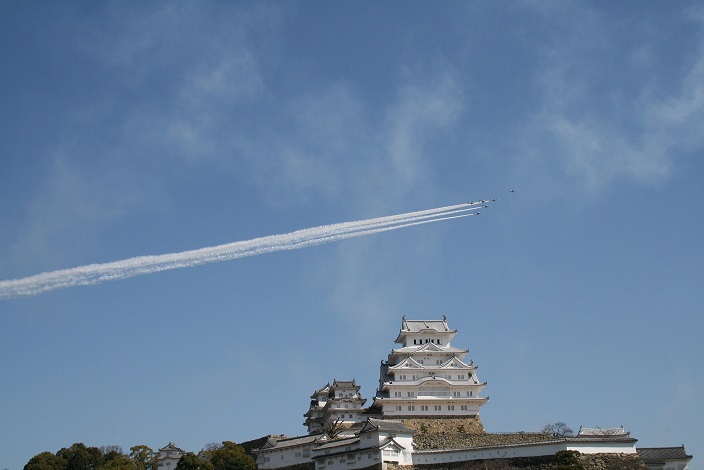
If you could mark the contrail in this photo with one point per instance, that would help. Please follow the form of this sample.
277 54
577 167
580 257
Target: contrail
95 273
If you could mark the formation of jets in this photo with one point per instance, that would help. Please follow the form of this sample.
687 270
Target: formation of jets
484 201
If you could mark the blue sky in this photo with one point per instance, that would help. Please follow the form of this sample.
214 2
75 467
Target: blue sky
130 129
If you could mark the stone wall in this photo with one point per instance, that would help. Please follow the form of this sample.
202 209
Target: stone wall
445 425
460 433
551 462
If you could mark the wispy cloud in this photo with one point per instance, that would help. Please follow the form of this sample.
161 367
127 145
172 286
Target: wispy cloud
424 109
632 130
169 101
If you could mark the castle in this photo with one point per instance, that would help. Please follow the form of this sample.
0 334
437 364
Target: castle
426 413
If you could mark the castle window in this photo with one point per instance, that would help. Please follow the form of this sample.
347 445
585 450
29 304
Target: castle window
451 407
411 408
424 408
398 408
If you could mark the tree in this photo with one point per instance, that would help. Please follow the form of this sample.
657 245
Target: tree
114 449
119 462
80 457
114 458
333 428
206 453
231 456
143 457
558 429
191 461
46 461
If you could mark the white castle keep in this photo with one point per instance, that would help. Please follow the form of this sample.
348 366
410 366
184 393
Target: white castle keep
426 376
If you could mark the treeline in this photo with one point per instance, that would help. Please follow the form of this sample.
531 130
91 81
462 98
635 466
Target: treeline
224 456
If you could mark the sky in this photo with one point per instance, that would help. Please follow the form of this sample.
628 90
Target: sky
131 129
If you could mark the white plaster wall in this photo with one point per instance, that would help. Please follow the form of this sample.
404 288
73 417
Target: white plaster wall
422 458
603 448
425 458
362 459
284 457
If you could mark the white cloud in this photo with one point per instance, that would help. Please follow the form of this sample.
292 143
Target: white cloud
601 123
72 206
422 110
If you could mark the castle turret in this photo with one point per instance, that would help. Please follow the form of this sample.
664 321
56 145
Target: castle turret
335 406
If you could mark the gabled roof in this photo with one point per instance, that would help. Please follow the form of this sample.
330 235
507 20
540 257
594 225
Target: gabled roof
659 454
321 391
602 432
429 348
407 362
345 384
337 443
455 363
417 326
390 442
273 441
171 447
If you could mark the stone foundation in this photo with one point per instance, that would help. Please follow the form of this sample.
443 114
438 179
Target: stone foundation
550 462
444 425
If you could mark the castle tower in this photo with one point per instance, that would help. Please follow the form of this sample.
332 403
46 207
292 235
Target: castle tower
426 376
338 405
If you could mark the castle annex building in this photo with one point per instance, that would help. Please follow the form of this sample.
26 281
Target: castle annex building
425 413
